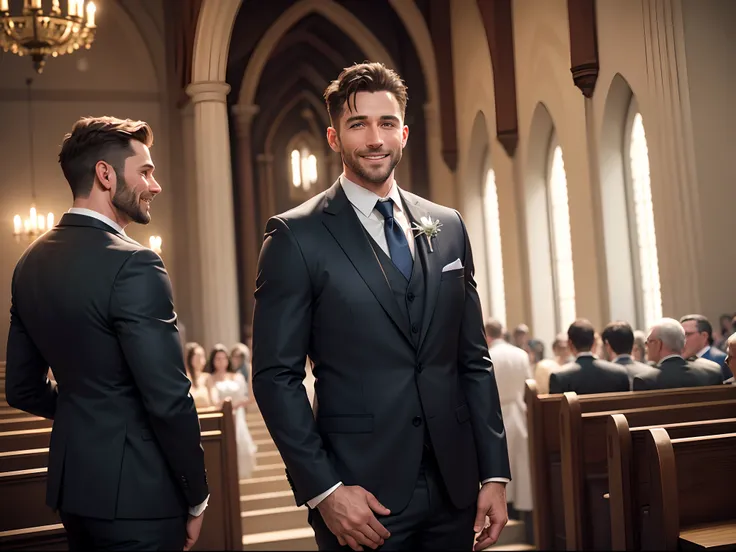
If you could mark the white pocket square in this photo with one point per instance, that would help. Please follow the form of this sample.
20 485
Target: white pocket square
454 265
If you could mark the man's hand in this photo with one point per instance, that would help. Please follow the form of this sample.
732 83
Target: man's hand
491 503
348 513
194 526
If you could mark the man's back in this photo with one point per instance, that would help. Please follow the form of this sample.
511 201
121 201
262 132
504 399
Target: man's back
588 375
677 372
96 307
633 367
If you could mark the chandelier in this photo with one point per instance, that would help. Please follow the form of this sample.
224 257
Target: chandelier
37 33
36 224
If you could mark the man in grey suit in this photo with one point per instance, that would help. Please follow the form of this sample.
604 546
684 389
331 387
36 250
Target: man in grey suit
587 374
665 344
618 340
406 449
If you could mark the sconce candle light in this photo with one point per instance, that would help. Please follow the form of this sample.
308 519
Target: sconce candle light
155 243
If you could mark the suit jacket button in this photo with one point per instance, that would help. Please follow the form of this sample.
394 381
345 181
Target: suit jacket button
414 328
410 296
417 421
420 368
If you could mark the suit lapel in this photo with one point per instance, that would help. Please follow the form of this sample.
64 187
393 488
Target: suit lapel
342 222
429 260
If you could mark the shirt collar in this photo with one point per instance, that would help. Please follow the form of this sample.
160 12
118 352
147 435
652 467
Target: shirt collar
624 355
584 354
97 215
661 360
364 200
702 351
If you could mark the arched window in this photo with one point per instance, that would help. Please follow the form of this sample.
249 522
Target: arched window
493 244
303 168
559 215
642 214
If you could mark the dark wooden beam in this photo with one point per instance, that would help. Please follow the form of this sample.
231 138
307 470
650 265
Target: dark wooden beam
441 30
184 15
497 18
583 45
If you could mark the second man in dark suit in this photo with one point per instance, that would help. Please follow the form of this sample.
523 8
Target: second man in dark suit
587 374
618 340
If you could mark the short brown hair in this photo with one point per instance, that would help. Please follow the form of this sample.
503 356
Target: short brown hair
363 77
494 328
94 139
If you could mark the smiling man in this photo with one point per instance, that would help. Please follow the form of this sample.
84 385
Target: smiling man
126 465
406 449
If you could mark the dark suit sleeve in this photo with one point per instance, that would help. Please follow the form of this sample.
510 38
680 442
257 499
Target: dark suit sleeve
555 384
27 386
142 312
640 384
282 321
479 382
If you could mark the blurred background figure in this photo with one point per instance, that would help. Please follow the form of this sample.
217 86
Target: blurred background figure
240 357
226 383
639 352
195 362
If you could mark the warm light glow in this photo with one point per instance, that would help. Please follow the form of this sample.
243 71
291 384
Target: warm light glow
91 10
4 5
49 221
312 169
644 215
296 171
72 7
55 7
306 179
17 225
36 4
34 225
155 243
561 242
33 220
493 246
41 222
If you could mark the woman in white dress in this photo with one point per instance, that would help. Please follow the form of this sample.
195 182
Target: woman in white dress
195 363
225 383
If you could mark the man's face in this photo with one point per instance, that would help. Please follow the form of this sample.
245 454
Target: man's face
370 138
136 187
654 347
694 340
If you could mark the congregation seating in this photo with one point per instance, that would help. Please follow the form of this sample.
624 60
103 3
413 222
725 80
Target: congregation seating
574 503
630 476
26 523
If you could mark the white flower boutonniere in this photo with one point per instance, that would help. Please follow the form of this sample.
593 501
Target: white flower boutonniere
429 227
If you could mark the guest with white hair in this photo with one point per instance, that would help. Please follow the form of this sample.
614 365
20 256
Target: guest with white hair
665 345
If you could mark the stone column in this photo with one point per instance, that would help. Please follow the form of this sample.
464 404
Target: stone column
190 226
250 234
216 261
441 179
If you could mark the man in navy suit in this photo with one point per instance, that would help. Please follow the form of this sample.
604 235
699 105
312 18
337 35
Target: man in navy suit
699 342
618 341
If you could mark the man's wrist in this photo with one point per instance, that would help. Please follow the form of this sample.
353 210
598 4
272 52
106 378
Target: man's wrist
502 480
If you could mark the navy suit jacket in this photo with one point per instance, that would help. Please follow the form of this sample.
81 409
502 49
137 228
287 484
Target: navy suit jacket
719 357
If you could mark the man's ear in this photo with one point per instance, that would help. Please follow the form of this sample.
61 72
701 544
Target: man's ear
105 174
333 139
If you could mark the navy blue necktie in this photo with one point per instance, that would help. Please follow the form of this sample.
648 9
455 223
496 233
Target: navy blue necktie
396 239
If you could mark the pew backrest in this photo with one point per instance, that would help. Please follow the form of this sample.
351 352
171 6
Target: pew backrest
543 420
626 470
688 486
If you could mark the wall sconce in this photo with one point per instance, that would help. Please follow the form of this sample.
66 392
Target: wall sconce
155 243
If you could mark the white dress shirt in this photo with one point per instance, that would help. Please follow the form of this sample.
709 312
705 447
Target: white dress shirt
364 205
194 511
98 216
702 351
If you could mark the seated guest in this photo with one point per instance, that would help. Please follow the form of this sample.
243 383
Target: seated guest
699 342
639 352
726 330
195 363
665 346
587 374
618 341
545 366
730 347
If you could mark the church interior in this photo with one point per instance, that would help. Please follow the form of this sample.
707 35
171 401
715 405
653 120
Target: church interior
587 144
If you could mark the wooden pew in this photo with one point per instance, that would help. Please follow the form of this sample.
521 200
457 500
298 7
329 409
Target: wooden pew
27 523
543 417
626 453
690 492
584 459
